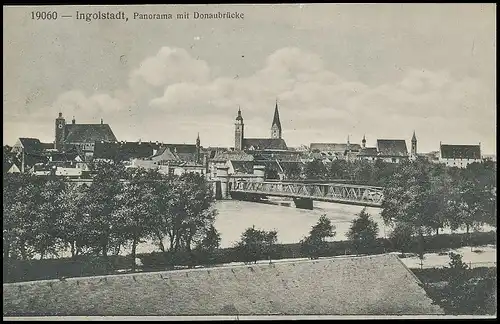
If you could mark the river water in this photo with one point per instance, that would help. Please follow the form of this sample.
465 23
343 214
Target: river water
292 224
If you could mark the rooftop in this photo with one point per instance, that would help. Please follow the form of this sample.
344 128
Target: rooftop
460 151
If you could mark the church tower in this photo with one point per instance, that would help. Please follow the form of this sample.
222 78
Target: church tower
198 148
363 142
414 145
60 132
238 132
276 126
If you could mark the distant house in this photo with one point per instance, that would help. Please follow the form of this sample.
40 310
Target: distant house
459 155
240 167
29 151
367 285
334 151
392 151
220 158
27 145
123 151
368 153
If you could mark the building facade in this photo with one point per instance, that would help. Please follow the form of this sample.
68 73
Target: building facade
459 156
81 136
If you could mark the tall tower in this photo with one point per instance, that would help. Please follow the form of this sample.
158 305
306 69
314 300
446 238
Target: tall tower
276 126
414 145
60 132
363 142
198 146
238 132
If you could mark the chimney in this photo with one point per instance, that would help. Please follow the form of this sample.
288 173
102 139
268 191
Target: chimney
101 121
73 121
60 115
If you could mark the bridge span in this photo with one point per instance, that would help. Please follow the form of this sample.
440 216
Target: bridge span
304 194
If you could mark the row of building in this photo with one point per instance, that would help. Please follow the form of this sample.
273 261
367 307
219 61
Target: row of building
77 145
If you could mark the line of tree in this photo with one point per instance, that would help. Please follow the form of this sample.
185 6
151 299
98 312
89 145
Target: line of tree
420 198
375 173
46 215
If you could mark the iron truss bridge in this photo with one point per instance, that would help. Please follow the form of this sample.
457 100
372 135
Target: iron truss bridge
330 192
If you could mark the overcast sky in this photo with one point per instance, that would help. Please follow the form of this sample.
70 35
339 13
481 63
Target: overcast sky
382 70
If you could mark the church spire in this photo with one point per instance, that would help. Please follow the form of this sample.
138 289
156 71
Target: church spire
276 119
276 125
413 138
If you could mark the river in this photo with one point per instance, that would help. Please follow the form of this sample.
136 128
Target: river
292 224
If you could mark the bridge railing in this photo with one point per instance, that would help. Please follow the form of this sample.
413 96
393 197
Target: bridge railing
334 192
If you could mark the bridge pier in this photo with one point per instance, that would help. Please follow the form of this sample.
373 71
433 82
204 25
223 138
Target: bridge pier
221 184
303 203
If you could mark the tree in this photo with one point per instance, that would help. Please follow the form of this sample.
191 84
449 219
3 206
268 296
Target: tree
209 245
293 171
401 237
49 211
338 169
256 244
315 170
407 197
134 220
21 224
314 244
71 226
99 207
183 211
363 231
362 171
465 205
464 294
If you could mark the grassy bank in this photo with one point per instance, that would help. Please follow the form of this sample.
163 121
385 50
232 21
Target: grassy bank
17 270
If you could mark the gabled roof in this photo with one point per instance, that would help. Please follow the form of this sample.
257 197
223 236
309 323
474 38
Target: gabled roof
31 145
11 163
164 154
334 147
389 147
460 151
264 144
366 285
368 151
245 167
88 133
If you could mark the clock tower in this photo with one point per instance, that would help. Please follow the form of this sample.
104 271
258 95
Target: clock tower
60 132
238 132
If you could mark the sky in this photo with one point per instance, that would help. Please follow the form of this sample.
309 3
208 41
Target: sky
336 70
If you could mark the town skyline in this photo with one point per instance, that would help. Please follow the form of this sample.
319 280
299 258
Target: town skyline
380 72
